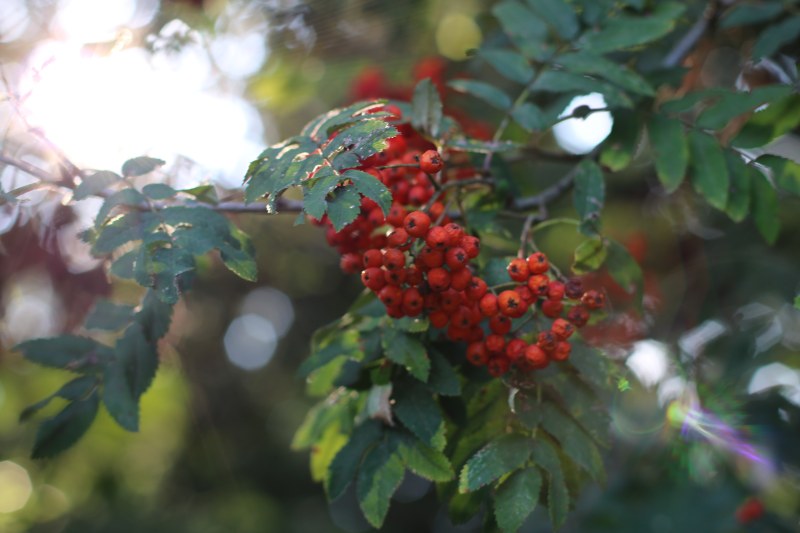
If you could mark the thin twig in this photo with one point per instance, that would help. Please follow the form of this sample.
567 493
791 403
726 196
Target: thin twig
548 195
28 168
689 40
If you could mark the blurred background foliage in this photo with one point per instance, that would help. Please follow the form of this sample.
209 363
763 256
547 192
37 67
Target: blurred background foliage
204 85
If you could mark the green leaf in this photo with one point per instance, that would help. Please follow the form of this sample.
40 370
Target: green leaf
425 461
128 197
765 208
559 15
118 397
529 116
494 460
709 171
625 270
476 146
139 359
139 166
670 150
415 406
772 39
769 123
573 440
371 187
238 254
345 344
407 351
68 352
589 195
516 498
527 31
76 389
627 31
108 316
508 63
344 466
443 378
731 105
562 81
133 226
587 62
158 191
797 302
692 99
411 324
621 144
545 455
123 266
95 183
378 478
589 255
484 91
744 14
63 430
426 108
154 317
741 179
785 172
203 193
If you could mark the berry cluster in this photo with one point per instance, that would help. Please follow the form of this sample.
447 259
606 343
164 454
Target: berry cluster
416 260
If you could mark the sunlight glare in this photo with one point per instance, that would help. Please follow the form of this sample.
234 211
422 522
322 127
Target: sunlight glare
582 135
93 20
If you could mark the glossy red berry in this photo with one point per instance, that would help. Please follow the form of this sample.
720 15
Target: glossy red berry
456 258
394 259
518 270
515 349
391 296
536 357
561 351
555 290
495 343
438 279
436 238
500 324
511 304
350 263
488 304
537 263
417 224
398 238
552 308
539 284
430 161
460 279
476 289
573 289
373 279
562 328
372 258
439 319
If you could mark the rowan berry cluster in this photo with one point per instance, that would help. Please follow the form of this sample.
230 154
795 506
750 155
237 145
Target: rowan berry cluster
417 261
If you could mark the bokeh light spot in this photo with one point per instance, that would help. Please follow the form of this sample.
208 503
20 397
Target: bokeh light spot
456 34
15 487
250 341
648 361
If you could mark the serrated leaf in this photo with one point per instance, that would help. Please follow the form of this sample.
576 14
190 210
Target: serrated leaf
133 226
573 440
118 397
76 389
426 108
425 461
443 378
562 81
546 456
238 254
68 352
344 466
407 351
627 31
345 344
139 166
95 183
63 430
621 144
772 39
731 105
527 31
529 116
509 64
670 150
516 498
158 191
765 208
589 255
494 460
415 406
343 208
108 316
589 195
625 270
739 196
139 359
123 266
483 91
559 15
379 477
744 14
709 171
154 317
128 197
587 62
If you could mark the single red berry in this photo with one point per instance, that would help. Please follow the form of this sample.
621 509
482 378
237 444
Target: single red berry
412 302
593 299
488 304
395 311
439 319
562 351
515 349
372 278
573 289
477 354
436 210
438 279
397 214
436 238
511 304
539 284
430 161
394 259
418 195
526 294
350 263
578 315
536 357
555 290
751 509
537 263
450 300
471 245
518 270
562 328
552 308
456 258
460 279
395 277
476 289
498 366
462 318
495 343
454 234
430 257
391 296
417 224
500 324
547 341
373 258
398 238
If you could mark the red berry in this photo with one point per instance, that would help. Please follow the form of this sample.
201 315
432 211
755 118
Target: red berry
498 366
547 341
477 354
573 289
471 245
394 259
537 263
454 234
536 356
511 304
752 509
456 258
350 263
450 300
593 299
555 290
488 304
439 319
373 279
438 279
417 223
431 257
430 162
462 318
552 308
500 324
436 210
460 279
372 258
539 284
436 238
414 276
395 277
515 349
578 315
562 328
495 343
562 351
412 302
398 238
397 214
518 270
391 296
476 289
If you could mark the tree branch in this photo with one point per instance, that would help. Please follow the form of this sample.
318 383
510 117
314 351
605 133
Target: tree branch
546 196
689 40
